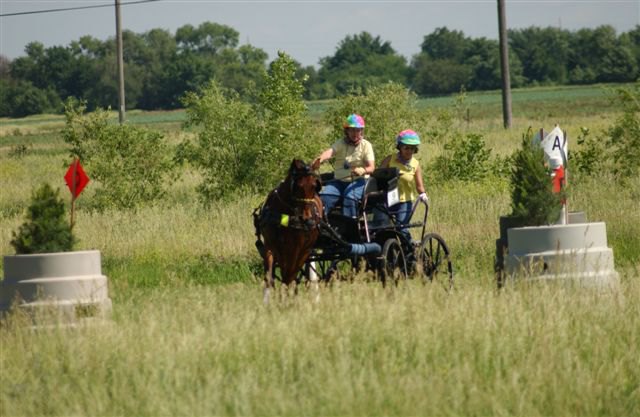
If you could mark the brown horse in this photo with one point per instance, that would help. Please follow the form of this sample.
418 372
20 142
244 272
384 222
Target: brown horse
289 222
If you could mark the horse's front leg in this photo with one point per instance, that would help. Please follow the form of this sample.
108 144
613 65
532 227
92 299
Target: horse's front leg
269 282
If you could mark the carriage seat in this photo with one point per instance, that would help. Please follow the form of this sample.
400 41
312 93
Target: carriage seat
381 181
378 184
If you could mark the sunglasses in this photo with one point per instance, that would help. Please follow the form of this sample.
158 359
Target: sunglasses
409 147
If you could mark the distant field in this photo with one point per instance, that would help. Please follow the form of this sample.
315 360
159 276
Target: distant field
532 103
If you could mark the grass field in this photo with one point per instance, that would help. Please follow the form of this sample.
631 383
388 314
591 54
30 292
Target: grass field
189 334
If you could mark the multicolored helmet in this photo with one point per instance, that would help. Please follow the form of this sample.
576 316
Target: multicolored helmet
354 120
408 137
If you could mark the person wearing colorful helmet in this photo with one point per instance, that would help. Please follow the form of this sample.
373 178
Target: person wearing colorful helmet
354 161
410 185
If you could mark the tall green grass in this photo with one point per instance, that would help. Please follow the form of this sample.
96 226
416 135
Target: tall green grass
361 350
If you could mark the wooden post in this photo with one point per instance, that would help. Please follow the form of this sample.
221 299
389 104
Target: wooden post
121 105
504 61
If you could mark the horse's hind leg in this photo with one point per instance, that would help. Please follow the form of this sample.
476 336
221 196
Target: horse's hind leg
269 282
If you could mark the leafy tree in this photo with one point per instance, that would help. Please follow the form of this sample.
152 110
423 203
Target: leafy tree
46 229
599 56
362 61
631 40
439 76
450 61
208 38
21 98
445 44
543 52
243 69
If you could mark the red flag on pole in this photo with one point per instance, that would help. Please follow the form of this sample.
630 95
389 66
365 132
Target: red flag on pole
76 178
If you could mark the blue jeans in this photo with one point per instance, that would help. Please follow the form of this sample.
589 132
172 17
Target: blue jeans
349 192
401 212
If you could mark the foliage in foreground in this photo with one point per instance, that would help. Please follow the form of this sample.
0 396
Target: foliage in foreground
415 350
129 164
46 229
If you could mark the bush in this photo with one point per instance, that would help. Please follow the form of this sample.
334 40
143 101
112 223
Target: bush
617 149
624 134
243 146
592 155
131 165
46 229
223 152
465 158
533 202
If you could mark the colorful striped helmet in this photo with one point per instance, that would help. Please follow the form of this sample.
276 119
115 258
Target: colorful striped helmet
408 137
354 120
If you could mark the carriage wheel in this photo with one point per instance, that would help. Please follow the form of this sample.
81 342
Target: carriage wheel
393 265
433 255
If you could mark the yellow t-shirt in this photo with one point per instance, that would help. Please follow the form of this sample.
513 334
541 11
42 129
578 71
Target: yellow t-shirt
407 181
351 156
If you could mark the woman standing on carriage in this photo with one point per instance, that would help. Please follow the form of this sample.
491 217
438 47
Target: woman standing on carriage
354 161
410 184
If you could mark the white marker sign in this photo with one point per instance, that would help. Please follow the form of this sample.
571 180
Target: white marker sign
555 147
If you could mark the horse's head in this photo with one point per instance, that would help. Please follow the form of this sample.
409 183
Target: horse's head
305 183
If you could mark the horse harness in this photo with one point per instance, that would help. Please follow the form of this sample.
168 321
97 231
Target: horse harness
265 215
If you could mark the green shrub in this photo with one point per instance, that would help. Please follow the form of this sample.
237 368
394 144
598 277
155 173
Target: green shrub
465 158
223 151
130 165
46 229
533 202
244 146
624 134
592 156
617 149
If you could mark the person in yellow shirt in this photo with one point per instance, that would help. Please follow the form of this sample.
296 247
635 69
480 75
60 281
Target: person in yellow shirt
354 161
410 185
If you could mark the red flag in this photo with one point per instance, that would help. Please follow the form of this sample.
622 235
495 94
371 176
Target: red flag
76 178
558 179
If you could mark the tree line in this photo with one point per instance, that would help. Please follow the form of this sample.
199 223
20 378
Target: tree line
161 67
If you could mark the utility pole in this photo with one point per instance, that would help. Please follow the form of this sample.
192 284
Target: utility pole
120 65
504 64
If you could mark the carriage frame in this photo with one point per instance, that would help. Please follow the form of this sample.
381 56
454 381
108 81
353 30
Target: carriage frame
384 248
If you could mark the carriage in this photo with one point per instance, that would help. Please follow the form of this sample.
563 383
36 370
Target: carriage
376 242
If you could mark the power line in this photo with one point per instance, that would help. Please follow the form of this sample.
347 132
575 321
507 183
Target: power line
95 6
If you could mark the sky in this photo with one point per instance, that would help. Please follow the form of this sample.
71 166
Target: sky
307 30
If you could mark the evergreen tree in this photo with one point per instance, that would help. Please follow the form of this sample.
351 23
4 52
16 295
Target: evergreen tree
533 202
45 229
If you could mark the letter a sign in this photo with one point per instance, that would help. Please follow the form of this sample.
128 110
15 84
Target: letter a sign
76 178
